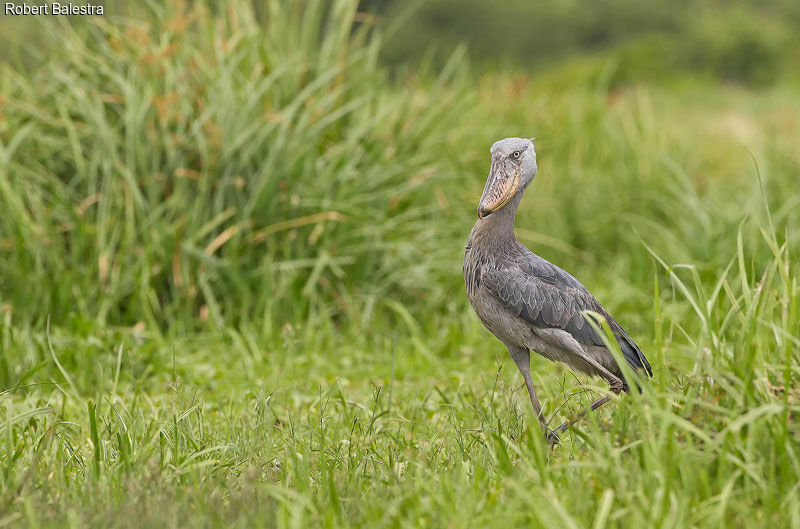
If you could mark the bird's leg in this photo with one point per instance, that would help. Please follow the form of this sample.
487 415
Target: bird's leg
593 406
522 357
614 381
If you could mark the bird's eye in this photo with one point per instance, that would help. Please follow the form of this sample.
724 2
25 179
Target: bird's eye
515 154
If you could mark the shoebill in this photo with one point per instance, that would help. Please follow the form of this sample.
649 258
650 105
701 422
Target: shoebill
527 302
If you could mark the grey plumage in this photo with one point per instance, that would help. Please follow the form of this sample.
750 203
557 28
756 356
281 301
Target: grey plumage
526 301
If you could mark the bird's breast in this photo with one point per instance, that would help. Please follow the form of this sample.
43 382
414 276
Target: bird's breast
474 261
507 327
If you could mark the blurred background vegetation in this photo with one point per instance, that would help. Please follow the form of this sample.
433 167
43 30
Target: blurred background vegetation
742 41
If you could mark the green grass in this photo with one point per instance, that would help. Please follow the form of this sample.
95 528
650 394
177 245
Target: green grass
231 290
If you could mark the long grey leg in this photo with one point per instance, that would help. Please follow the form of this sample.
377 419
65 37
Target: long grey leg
522 357
593 406
614 381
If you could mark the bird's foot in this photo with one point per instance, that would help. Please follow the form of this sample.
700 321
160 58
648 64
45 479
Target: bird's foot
552 438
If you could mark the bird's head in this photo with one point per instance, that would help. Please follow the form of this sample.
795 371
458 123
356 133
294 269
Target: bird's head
513 168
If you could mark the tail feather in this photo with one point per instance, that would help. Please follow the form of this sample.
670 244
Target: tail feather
635 358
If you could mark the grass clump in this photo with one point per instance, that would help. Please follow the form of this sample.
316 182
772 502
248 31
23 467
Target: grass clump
200 164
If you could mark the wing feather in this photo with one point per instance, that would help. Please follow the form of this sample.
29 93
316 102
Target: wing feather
546 296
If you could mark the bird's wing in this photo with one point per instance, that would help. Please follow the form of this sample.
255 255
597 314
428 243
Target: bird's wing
546 296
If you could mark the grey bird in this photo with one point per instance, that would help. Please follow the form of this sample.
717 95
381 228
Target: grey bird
529 303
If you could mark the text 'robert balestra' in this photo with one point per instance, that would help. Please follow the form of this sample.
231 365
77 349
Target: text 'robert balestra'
52 9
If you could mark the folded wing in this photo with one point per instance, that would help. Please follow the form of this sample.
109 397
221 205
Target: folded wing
546 296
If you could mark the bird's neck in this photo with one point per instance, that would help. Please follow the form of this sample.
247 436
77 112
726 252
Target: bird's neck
497 229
